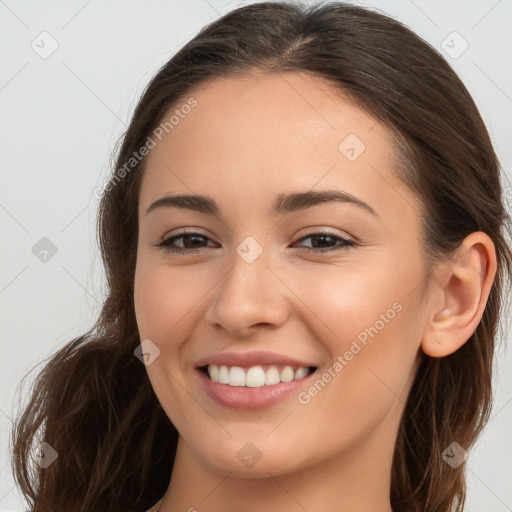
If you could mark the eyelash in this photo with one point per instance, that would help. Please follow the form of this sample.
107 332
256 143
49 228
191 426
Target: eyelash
166 244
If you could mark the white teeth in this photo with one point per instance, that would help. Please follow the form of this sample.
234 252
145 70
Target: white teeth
255 376
223 374
300 373
287 375
236 376
213 371
272 376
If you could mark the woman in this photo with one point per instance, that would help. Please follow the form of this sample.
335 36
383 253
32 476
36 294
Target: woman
304 243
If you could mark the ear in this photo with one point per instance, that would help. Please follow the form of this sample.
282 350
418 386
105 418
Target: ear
458 295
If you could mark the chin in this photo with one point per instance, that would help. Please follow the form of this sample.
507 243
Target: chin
249 460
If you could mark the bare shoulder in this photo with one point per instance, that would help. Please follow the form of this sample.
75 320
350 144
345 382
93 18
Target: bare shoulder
154 508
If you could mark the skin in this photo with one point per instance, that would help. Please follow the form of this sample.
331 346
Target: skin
248 140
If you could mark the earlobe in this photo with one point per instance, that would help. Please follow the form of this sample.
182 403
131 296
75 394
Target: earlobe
461 291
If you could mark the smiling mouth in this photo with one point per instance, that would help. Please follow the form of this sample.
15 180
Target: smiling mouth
255 376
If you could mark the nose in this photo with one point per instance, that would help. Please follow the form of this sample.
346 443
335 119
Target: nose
249 297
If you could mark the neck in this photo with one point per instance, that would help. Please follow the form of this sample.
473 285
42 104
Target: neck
354 481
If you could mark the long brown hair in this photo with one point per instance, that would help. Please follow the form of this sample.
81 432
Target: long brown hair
93 402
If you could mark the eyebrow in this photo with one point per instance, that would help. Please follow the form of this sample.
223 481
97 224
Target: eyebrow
283 203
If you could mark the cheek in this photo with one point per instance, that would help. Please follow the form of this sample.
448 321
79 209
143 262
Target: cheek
163 297
370 323
347 301
164 300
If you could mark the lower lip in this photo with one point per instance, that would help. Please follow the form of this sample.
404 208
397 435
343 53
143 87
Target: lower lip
243 397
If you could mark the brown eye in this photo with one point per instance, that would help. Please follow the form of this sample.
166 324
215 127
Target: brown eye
326 242
192 243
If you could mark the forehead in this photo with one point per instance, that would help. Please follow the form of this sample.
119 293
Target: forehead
250 138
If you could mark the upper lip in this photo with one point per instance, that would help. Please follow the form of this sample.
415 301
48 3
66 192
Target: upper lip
248 359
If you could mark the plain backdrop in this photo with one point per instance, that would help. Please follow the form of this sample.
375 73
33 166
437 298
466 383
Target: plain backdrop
70 75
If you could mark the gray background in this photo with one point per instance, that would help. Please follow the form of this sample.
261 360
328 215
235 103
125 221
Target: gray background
60 117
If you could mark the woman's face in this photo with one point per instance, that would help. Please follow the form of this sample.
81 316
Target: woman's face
246 282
